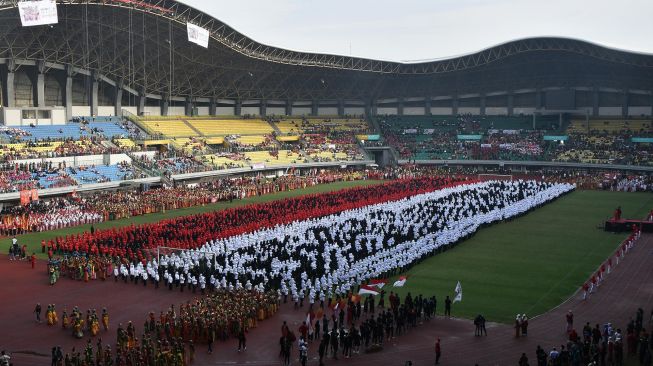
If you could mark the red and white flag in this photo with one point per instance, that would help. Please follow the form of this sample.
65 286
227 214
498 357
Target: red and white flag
368 290
309 323
378 283
400 282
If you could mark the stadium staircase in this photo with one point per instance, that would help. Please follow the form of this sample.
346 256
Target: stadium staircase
375 124
198 132
275 128
137 121
109 144
136 163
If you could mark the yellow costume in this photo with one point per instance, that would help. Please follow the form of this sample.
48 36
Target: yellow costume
95 327
50 316
105 321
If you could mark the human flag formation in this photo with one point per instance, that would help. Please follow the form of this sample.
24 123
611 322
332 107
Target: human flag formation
459 293
400 282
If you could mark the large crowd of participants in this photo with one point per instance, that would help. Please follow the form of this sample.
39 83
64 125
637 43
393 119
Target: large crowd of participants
188 232
319 260
168 338
320 257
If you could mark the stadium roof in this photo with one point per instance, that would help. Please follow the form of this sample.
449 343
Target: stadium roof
143 44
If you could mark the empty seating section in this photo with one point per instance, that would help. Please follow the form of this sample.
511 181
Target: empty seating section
324 125
328 156
46 149
173 128
125 143
21 149
610 126
99 174
252 140
190 146
225 161
220 127
54 179
106 129
75 131
268 158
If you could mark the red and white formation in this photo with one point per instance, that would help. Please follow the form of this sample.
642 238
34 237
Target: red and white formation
320 257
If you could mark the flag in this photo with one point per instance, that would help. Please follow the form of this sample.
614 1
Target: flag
459 293
308 323
368 290
198 35
400 282
38 12
377 283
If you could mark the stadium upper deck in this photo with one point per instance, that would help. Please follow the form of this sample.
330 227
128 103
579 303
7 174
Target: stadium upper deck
106 56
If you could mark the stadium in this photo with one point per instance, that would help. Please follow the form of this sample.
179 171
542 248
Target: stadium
157 166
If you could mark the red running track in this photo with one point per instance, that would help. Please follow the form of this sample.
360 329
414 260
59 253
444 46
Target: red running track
628 287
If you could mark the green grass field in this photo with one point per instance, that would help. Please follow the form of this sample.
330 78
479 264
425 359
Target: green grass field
528 265
33 240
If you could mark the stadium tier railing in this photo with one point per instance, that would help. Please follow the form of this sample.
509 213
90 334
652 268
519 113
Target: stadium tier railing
639 168
249 169
14 196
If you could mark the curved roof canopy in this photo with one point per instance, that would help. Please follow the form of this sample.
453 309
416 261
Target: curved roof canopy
143 44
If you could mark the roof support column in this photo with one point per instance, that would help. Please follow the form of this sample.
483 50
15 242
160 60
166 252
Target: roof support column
213 104
428 102
188 106
140 108
8 88
39 86
595 102
288 107
95 86
68 92
624 103
341 107
165 105
370 108
263 107
481 104
117 102
314 107
400 106
454 105
511 103
238 108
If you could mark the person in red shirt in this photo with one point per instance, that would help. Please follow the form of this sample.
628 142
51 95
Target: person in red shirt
438 352
303 330
33 260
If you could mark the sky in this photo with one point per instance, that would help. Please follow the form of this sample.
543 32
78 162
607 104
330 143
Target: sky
414 30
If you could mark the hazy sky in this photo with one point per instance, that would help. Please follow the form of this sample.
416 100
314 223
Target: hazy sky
409 30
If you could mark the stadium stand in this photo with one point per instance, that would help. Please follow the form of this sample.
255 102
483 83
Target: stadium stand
173 128
218 127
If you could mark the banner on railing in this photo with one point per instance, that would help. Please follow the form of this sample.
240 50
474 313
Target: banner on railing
25 197
38 12
198 35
